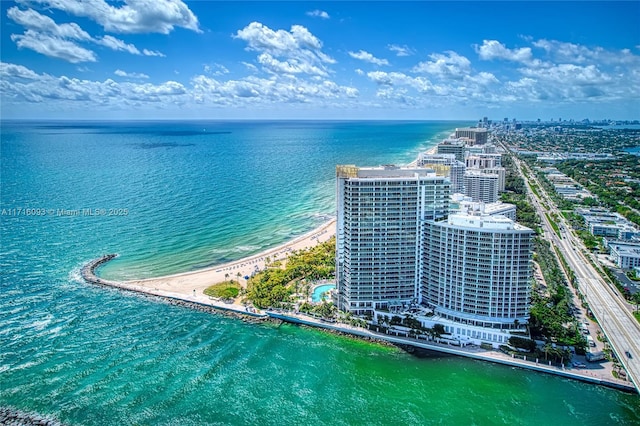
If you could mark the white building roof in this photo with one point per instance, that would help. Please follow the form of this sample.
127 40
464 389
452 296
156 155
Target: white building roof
484 221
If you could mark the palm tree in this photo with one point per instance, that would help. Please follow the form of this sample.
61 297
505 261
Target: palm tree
226 277
636 299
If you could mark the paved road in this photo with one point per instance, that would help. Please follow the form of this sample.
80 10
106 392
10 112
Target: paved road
612 311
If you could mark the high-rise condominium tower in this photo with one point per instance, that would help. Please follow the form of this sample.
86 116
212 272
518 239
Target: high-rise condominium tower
380 217
481 187
477 270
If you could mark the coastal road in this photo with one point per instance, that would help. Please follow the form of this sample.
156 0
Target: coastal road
611 310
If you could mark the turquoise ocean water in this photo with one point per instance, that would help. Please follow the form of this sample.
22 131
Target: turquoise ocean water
176 196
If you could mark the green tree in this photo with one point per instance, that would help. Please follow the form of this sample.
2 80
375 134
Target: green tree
636 299
522 343
438 330
395 320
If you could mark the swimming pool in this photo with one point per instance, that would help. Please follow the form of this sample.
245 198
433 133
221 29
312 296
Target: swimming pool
317 295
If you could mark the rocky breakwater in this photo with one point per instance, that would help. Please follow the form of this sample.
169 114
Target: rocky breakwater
11 417
88 272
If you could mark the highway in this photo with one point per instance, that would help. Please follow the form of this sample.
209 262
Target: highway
613 313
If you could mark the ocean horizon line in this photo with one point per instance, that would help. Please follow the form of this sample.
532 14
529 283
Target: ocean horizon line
227 120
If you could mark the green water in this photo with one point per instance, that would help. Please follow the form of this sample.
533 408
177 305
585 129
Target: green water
94 356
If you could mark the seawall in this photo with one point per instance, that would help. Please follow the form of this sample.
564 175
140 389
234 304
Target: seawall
485 355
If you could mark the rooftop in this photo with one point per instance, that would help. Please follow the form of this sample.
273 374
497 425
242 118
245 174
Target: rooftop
484 221
385 172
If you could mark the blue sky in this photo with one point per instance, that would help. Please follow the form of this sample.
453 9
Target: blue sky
155 59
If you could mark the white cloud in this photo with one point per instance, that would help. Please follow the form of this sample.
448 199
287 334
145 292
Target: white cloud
147 52
578 54
117 44
569 74
368 57
572 83
152 92
53 46
291 66
450 65
21 85
16 71
382 78
298 42
35 21
400 50
216 69
125 74
294 51
493 49
268 90
63 89
482 78
359 71
250 67
318 14
45 36
135 16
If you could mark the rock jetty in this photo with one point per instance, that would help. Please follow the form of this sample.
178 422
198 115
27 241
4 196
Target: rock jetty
13 417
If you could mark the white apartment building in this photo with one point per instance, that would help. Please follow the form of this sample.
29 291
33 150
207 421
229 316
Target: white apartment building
501 172
483 161
380 217
477 271
481 186
445 165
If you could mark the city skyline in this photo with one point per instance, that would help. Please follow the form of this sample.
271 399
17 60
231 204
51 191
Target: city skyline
322 60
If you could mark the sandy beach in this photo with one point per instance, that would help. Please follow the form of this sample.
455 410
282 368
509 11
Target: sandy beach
192 284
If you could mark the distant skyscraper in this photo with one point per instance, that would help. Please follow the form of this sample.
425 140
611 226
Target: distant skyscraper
380 216
501 172
477 270
478 136
452 146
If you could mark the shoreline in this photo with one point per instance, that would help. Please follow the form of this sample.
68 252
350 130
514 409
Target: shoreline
203 303
193 283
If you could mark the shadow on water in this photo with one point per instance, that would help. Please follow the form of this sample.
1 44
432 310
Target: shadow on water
421 352
160 145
